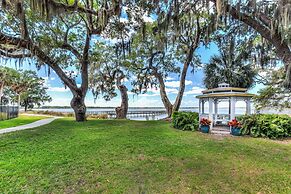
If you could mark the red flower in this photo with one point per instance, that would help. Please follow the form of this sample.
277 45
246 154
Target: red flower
205 121
234 123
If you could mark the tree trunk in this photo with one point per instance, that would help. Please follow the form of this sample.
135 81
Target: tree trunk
121 111
167 103
1 90
25 107
287 62
180 94
79 107
186 65
18 103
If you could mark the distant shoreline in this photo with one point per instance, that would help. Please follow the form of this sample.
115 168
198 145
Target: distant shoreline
107 107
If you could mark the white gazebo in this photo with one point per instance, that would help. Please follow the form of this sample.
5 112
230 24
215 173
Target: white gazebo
224 93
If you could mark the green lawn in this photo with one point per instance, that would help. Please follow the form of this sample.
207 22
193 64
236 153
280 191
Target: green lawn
132 156
21 120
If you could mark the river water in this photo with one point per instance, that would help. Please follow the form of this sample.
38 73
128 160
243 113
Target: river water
222 110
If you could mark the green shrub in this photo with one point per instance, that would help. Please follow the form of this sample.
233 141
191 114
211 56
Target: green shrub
186 120
3 116
266 125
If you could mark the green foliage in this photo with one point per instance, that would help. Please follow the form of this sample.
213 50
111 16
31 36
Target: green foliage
3 116
266 125
274 95
27 89
186 120
233 65
108 71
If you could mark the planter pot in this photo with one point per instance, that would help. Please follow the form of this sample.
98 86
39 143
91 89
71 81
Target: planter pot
204 128
235 131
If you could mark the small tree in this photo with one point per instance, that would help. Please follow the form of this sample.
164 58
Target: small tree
7 76
36 93
27 89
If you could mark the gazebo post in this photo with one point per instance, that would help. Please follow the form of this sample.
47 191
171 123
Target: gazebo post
215 109
199 109
229 107
210 115
232 107
199 106
248 106
203 102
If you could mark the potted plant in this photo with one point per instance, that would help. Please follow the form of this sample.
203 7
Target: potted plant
235 127
205 125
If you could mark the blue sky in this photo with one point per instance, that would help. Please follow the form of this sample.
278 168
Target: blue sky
194 85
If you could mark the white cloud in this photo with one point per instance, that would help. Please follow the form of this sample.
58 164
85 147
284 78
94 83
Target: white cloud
156 92
151 92
170 78
147 19
176 84
172 91
148 95
47 81
195 90
58 89
123 20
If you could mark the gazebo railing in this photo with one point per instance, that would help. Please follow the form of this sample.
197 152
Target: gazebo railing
221 119
8 112
204 115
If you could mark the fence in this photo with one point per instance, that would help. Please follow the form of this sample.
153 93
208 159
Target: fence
8 112
130 113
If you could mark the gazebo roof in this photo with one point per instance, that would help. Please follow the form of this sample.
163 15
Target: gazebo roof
224 90
225 95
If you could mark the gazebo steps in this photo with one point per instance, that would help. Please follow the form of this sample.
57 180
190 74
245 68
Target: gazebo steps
222 130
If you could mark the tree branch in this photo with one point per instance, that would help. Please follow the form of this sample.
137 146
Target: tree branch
36 51
69 47
5 53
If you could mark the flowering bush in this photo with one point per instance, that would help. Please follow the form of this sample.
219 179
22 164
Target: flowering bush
234 123
205 121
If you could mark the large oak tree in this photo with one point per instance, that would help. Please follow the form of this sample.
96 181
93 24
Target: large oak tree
58 34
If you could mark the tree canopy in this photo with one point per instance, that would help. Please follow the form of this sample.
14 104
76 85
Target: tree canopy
273 95
24 88
234 65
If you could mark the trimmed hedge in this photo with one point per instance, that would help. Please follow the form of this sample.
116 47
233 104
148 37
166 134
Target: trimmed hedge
186 120
266 125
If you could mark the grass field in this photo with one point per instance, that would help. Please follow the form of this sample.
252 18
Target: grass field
130 157
21 120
